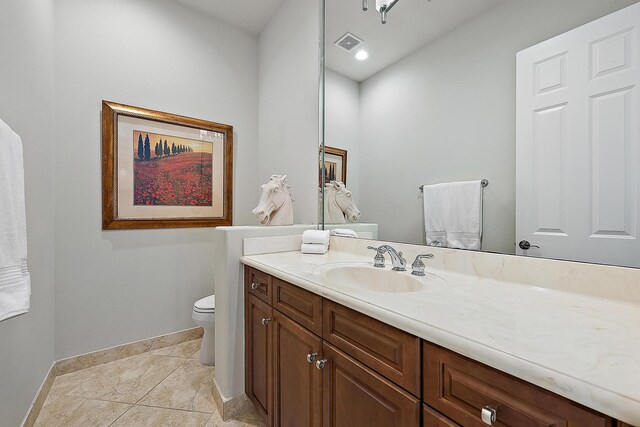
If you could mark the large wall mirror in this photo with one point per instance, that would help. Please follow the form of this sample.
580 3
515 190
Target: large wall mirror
424 92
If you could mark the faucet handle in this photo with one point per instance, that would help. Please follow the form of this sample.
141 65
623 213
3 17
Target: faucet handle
417 268
378 260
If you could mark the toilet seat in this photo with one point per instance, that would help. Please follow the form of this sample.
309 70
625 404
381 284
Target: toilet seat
205 305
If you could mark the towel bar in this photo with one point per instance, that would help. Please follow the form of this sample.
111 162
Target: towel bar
484 183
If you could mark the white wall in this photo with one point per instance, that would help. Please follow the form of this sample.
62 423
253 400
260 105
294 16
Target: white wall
288 103
120 286
447 113
343 123
26 104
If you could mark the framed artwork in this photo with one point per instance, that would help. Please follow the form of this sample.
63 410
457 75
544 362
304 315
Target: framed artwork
160 170
335 165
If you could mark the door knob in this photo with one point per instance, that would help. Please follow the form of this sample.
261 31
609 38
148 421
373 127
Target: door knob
266 321
320 364
311 357
255 286
525 245
489 414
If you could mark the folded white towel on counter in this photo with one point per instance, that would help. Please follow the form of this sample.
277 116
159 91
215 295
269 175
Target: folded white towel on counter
314 248
15 283
316 236
453 215
343 232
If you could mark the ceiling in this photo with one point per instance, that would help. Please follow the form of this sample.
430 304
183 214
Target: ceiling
250 15
410 25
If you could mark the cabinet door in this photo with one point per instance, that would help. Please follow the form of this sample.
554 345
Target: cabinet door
298 383
258 356
354 396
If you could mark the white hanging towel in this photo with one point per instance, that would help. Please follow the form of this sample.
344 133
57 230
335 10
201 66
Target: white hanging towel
15 284
434 199
453 215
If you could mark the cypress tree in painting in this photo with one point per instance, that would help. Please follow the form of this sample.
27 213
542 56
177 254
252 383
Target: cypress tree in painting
166 148
173 148
147 148
140 148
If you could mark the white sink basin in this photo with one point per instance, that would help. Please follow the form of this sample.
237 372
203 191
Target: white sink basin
366 277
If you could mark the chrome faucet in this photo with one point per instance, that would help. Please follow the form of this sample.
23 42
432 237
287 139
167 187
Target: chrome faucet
398 262
417 268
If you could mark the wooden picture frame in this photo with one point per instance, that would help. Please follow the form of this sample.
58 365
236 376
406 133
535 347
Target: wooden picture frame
185 181
335 165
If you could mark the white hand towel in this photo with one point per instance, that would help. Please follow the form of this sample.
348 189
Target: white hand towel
343 232
453 215
314 248
316 236
15 283
434 214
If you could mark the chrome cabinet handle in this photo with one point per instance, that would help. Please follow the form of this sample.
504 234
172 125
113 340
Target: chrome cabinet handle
525 245
266 321
489 414
311 357
255 286
320 364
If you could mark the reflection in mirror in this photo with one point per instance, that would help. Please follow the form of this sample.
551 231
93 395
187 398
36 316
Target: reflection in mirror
533 96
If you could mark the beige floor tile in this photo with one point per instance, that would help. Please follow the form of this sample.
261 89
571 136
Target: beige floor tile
185 349
161 417
190 387
70 411
216 421
196 355
125 380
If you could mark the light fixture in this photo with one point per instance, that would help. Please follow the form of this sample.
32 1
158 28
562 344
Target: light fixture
382 6
361 55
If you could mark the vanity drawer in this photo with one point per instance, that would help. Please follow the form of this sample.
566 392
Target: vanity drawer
258 284
387 350
300 305
460 388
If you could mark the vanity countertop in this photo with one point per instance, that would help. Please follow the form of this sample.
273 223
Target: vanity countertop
581 347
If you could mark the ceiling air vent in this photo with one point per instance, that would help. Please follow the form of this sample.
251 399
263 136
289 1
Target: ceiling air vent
348 42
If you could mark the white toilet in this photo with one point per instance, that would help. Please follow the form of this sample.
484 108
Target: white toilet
204 312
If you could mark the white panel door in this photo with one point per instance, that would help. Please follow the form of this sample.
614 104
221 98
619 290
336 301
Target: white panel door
577 143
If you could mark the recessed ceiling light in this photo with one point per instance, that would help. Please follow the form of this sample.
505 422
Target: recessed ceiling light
361 55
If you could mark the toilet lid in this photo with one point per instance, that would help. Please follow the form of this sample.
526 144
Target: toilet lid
206 304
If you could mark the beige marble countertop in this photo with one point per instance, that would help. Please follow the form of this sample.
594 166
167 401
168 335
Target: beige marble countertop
578 346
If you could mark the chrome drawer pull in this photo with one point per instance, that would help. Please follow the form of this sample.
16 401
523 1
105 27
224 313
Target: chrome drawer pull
311 357
255 286
266 321
320 364
489 414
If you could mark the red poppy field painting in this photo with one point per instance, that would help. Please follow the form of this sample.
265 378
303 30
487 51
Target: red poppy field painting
162 170
171 171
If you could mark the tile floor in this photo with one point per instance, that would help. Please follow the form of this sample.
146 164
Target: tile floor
166 387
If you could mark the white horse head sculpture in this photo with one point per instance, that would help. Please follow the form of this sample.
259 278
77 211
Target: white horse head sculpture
339 206
275 206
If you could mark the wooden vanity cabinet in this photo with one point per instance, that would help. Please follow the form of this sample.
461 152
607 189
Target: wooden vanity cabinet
312 362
